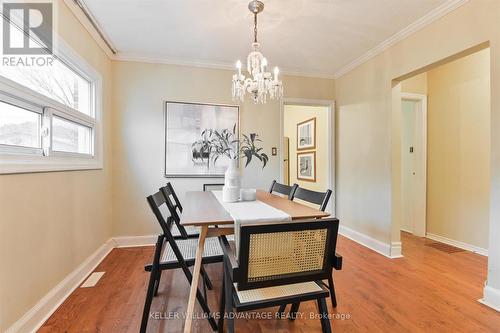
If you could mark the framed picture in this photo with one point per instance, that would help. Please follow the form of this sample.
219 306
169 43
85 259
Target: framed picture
306 166
184 123
306 134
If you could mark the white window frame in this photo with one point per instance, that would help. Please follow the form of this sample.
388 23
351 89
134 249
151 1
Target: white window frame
15 159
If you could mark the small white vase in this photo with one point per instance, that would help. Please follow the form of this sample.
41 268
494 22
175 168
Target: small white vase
232 183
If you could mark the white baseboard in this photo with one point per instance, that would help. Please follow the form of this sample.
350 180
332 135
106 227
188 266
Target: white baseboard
458 244
37 315
134 241
396 250
491 298
372 243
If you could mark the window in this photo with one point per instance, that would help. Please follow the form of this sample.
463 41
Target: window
19 127
71 137
50 116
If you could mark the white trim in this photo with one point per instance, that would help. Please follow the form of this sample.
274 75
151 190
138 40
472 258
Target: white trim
43 309
134 241
148 59
32 320
460 245
491 297
420 194
419 24
80 16
396 250
330 104
384 249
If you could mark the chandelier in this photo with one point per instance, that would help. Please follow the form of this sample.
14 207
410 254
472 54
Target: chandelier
261 83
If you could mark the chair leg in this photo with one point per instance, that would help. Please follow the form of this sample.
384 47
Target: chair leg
281 310
293 310
148 301
222 304
206 310
331 286
206 279
204 289
157 282
200 298
323 311
229 301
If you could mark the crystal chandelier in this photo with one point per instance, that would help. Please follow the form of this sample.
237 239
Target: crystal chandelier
261 83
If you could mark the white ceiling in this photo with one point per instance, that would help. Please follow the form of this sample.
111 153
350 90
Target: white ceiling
314 37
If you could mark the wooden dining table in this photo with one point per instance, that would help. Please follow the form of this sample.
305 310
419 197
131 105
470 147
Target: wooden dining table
202 209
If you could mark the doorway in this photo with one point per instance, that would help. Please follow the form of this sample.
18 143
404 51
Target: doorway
414 163
307 147
453 187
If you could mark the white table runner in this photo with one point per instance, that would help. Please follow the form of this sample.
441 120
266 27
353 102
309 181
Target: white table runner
250 212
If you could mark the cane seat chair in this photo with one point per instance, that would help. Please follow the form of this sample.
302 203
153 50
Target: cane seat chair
278 263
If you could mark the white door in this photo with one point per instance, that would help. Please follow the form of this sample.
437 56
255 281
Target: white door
413 164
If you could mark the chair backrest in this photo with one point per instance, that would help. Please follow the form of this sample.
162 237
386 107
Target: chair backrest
318 198
155 201
283 189
212 187
285 253
174 206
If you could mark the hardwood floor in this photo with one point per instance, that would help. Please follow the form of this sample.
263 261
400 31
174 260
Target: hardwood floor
429 290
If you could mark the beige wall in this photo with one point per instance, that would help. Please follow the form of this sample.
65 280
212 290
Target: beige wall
51 222
294 114
368 172
458 151
458 147
139 92
416 84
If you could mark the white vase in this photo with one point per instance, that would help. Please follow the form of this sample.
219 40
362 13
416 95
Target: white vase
232 183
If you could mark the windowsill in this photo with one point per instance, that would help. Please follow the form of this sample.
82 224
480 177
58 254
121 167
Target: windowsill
33 164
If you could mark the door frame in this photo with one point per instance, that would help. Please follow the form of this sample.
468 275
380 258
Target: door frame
420 224
330 104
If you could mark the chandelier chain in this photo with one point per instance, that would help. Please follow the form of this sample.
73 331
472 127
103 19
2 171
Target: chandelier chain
255 27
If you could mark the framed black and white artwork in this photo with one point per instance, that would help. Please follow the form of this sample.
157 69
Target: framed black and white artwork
306 166
184 123
306 134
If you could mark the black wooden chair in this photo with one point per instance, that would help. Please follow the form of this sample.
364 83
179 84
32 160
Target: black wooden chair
314 197
212 187
171 253
271 257
175 208
321 199
283 189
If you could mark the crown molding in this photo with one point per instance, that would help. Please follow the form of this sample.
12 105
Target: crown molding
419 24
133 57
422 22
94 33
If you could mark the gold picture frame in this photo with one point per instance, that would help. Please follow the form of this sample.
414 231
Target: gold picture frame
306 166
306 134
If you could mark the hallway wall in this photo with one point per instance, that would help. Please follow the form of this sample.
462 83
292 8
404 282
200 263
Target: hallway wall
458 149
